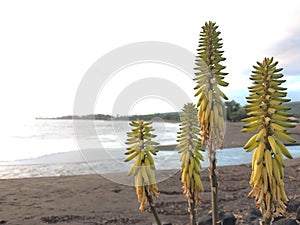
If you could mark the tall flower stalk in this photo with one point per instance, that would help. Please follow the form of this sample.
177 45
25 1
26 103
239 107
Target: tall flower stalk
190 146
209 76
142 148
269 119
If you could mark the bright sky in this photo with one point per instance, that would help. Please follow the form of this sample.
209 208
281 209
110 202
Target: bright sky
47 46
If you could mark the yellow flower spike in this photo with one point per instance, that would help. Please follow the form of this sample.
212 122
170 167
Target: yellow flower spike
209 77
190 158
141 146
268 118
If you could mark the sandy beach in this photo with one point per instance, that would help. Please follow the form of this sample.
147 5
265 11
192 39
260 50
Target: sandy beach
92 199
234 138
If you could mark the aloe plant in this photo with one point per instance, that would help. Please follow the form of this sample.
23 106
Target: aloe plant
269 119
209 76
190 146
142 147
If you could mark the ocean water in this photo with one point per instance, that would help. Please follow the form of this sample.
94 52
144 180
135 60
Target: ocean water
44 137
44 148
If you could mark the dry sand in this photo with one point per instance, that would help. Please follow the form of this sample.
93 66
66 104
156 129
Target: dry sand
92 199
234 138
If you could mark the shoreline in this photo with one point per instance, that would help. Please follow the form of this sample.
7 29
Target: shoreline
95 161
174 147
233 138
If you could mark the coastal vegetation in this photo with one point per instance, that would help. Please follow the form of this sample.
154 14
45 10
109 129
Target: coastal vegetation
190 147
202 128
209 78
141 147
268 118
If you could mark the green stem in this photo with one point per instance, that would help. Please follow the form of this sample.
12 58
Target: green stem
213 184
152 207
192 209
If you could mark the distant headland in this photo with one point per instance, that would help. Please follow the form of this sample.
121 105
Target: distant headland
169 116
234 113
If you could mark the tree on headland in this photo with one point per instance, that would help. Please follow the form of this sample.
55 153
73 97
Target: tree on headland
234 111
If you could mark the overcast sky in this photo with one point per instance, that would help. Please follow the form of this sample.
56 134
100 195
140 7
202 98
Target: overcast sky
47 46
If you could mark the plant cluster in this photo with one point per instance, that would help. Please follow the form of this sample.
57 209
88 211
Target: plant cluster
202 126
